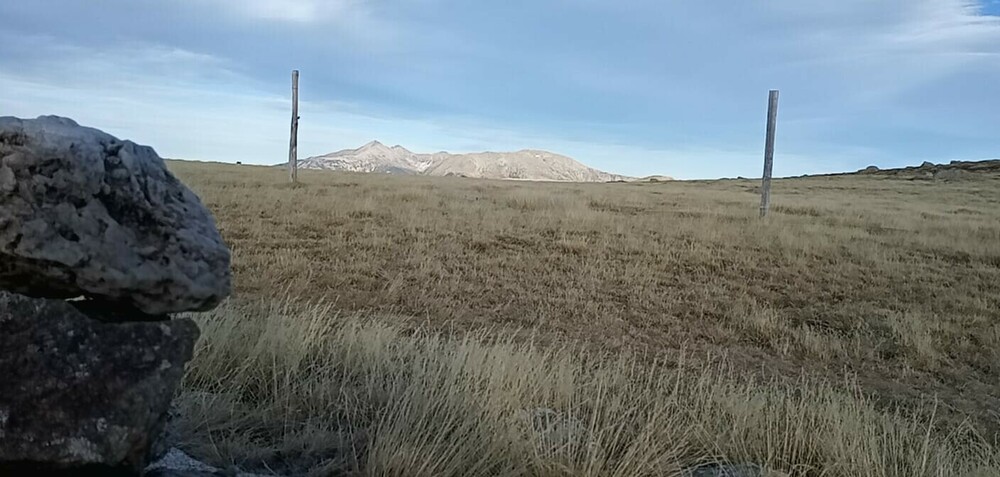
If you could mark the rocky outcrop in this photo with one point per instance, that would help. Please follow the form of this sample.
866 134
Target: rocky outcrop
85 384
83 213
953 171
83 393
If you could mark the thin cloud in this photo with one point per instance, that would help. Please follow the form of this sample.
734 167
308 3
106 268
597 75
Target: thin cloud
360 23
295 11
676 88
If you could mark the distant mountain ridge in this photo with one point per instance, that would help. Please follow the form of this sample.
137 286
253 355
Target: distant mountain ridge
526 164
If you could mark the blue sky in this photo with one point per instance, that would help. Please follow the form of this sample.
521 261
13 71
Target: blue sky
635 87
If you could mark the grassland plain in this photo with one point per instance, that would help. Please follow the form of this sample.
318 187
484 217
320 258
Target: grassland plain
404 326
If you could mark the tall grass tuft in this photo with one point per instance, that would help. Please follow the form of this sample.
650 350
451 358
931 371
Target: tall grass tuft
286 388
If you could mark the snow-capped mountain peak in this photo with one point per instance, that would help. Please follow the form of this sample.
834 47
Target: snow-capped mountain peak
526 164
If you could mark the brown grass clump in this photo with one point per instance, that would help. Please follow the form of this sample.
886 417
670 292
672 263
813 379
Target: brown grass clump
888 285
283 388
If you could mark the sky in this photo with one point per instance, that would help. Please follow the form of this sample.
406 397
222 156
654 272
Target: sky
635 87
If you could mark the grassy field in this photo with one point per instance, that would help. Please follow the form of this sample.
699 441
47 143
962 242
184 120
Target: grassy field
442 326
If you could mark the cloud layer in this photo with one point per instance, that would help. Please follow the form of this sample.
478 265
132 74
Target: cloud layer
637 87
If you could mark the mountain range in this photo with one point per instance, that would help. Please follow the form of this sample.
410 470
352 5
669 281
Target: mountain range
525 164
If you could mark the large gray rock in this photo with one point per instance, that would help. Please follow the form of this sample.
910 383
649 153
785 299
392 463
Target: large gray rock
83 213
83 396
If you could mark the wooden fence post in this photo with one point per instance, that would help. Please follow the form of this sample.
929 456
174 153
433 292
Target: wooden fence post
772 119
293 160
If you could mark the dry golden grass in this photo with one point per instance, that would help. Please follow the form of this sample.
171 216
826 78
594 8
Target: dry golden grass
284 388
800 333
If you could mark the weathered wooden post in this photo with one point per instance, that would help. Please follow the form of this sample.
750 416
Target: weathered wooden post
772 119
293 160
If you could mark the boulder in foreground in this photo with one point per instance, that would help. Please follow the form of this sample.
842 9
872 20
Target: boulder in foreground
83 213
80 396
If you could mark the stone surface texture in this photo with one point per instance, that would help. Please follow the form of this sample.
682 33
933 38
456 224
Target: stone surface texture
85 214
80 395
176 463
